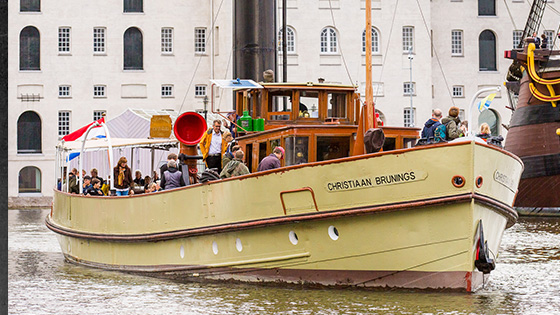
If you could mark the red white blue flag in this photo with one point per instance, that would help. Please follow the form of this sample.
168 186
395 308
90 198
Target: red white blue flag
95 132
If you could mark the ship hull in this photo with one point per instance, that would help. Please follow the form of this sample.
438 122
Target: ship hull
532 136
309 224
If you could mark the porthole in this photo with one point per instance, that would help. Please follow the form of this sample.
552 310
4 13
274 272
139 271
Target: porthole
215 248
479 182
293 237
458 181
182 251
238 245
333 233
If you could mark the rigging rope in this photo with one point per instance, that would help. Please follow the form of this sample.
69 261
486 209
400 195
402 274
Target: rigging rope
435 53
510 16
340 45
387 48
200 56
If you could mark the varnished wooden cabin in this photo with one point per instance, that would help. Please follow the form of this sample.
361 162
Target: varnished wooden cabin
322 126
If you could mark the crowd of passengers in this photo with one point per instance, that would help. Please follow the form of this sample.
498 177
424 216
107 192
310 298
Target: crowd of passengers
223 158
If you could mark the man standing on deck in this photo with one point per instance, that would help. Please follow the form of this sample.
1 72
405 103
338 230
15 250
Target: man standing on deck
272 161
213 146
431 125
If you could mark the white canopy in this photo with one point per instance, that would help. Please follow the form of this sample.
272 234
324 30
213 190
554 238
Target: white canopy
103 144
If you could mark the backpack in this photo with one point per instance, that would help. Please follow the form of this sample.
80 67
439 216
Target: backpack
440 134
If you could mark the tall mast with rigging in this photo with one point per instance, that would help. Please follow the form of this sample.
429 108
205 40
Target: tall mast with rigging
370 107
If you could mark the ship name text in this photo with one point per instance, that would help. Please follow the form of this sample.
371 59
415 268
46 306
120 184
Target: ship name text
381 180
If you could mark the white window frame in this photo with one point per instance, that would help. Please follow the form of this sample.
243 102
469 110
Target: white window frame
290 40
167 90
378 88
98 114
550 34
99 42
406 117
65 91
406 88
64 40
63 126
517 37
408 39
200 90
458 91
99 91
456 43
200 40
167 40
375 49
329 41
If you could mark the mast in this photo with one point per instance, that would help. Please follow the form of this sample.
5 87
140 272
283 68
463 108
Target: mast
370 107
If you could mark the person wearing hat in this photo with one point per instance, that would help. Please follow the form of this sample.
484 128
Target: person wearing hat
452 124
272 161
87 184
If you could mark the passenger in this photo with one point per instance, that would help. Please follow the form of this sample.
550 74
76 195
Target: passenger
73 186
452 123
213 146
229 155
464 127
87 184
544 42
151 187
123 177
155 177
272 161
232 118
235 167
84 173
484 132
147 182
138 180
431 124
172 178
95 189
163 168
95 174
537 40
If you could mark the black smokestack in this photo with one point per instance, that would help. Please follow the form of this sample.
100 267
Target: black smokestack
254 36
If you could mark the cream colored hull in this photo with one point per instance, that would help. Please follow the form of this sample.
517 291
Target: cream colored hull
416 233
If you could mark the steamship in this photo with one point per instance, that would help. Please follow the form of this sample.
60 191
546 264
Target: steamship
353 205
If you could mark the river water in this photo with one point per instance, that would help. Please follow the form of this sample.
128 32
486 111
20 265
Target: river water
526 281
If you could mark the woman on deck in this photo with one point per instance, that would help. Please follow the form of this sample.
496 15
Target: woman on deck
123 177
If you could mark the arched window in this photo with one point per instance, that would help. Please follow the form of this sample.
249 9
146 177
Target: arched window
29 133
30 180
487 7
374 41
133 49
290 40
487 51
329 43
492 118
29 49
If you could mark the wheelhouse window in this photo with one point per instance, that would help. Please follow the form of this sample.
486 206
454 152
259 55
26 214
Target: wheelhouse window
408 39
64 40
486 7
308 103
457 43
133 49
374 41
200 40
329 148
29 133
63 123
280 105
30 6
290 40
29 49
99 40
131 6
487 51
336 105
329 41
297 149
30 180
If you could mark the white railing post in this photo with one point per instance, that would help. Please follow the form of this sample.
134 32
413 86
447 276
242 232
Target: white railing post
472 125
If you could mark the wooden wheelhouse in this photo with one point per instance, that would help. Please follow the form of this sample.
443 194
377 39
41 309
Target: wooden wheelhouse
312 122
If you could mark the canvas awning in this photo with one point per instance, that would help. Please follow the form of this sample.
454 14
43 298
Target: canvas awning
103 144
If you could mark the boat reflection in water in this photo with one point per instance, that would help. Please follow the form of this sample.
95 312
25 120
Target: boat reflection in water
406 217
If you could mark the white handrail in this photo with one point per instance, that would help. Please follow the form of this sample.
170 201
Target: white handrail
108 137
